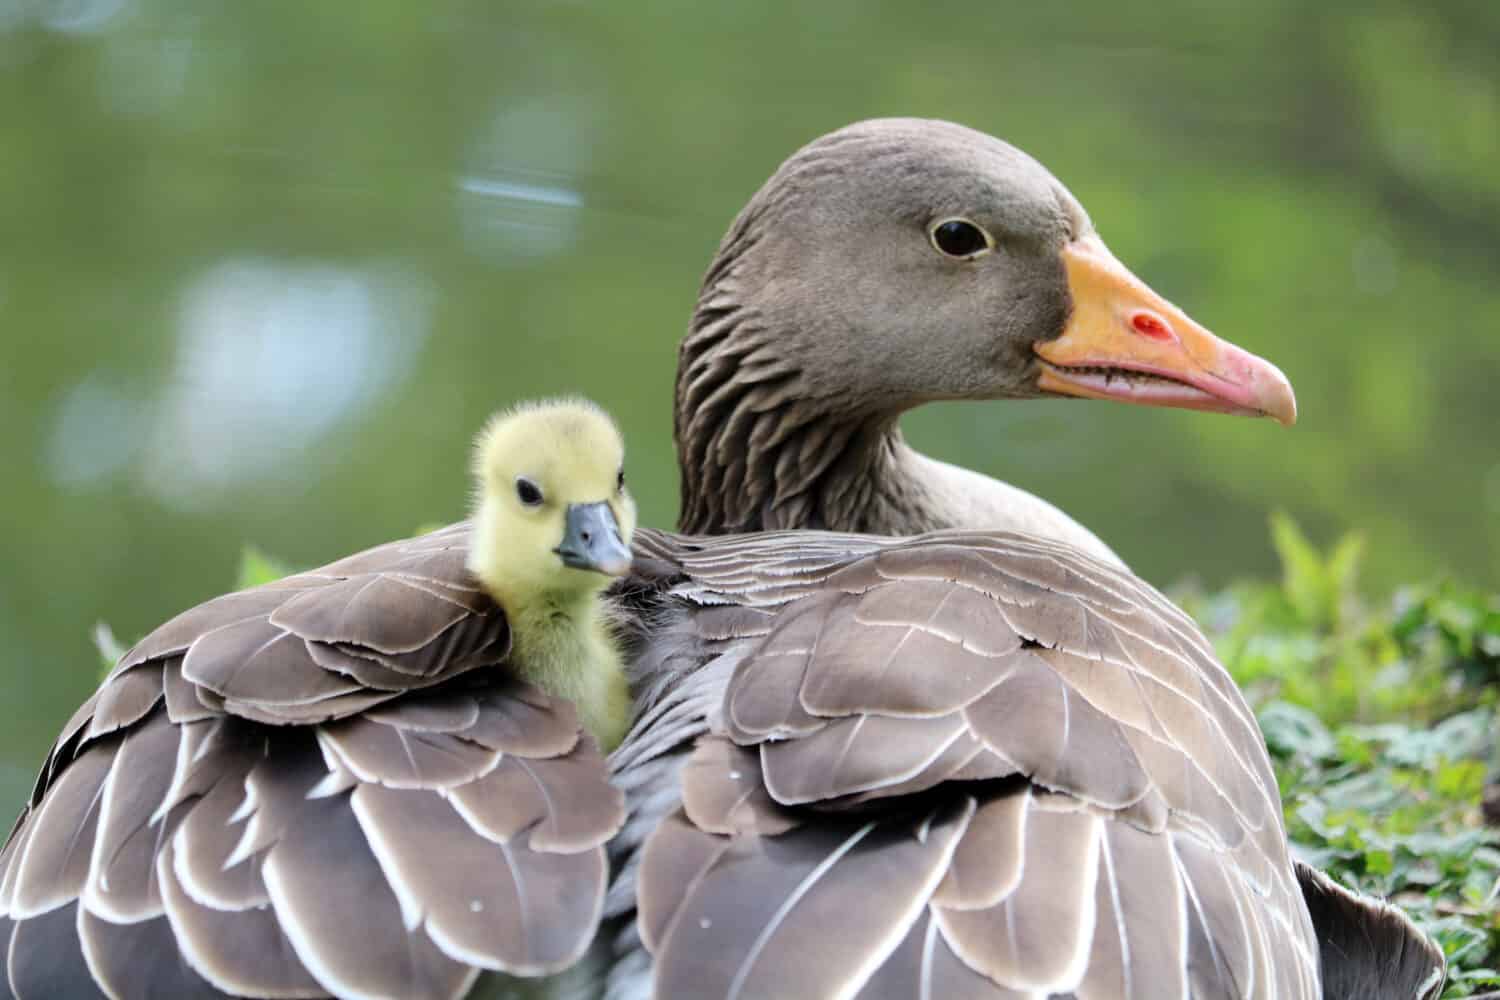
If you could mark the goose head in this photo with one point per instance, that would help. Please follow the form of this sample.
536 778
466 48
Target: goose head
899 261
552 516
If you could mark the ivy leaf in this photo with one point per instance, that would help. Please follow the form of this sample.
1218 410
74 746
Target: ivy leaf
1293 730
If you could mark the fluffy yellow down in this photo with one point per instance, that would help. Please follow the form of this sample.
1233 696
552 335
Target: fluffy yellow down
571 452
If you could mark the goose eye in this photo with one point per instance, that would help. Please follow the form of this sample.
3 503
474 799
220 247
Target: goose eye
527 492
620 482
961 238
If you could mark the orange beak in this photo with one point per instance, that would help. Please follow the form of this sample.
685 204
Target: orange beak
1125 342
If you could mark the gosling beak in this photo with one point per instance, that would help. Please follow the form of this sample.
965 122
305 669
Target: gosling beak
591 540
1125 342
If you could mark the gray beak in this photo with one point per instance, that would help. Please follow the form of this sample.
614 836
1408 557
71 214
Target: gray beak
591 540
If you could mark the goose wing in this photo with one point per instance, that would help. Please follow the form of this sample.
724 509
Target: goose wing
326 785
969 765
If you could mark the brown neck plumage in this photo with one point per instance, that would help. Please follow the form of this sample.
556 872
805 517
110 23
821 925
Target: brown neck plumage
758 449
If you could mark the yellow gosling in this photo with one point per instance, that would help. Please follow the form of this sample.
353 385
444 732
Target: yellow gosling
552 527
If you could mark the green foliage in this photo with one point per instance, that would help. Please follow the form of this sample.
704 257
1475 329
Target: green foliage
1431 652
109 648
1381 720
257 568
1317 587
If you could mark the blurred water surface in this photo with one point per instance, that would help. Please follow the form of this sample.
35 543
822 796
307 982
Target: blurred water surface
266 266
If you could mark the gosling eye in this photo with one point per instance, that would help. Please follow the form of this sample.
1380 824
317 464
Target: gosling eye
620 482
960 238
528 492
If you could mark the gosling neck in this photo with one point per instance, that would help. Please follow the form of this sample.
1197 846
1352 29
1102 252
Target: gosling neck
563 643
539 619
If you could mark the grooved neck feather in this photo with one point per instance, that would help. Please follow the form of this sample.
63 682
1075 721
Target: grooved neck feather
761 447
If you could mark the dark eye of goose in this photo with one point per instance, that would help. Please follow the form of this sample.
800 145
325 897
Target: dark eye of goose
527 492
620 482
961 238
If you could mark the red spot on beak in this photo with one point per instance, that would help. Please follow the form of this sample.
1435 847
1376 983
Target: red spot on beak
1150 325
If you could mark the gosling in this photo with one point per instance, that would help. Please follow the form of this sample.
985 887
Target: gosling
552 526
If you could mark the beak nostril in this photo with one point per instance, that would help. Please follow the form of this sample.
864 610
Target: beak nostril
1150 325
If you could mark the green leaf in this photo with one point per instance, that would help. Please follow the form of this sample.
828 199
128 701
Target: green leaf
257 568
1291 729
109 648
1303 575
1462 779
1342 575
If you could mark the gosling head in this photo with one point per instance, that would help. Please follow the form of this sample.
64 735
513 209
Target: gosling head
553 517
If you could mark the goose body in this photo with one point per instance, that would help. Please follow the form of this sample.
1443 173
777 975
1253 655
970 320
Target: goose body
967 764
839 299
909 732
977 762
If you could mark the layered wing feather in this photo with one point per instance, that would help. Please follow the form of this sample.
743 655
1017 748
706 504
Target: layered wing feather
328 785
966 764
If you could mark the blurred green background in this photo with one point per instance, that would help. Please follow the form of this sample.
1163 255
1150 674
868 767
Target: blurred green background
266 266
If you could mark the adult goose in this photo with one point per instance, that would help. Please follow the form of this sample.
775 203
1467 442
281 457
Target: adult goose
896 262
887 264
974 764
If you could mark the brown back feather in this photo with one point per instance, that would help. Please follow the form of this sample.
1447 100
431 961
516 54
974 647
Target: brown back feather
324 785
1084 795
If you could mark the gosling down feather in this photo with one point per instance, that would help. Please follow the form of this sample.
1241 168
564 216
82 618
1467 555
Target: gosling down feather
984 761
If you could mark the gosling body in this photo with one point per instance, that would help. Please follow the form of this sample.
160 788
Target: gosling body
552 526
565 644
